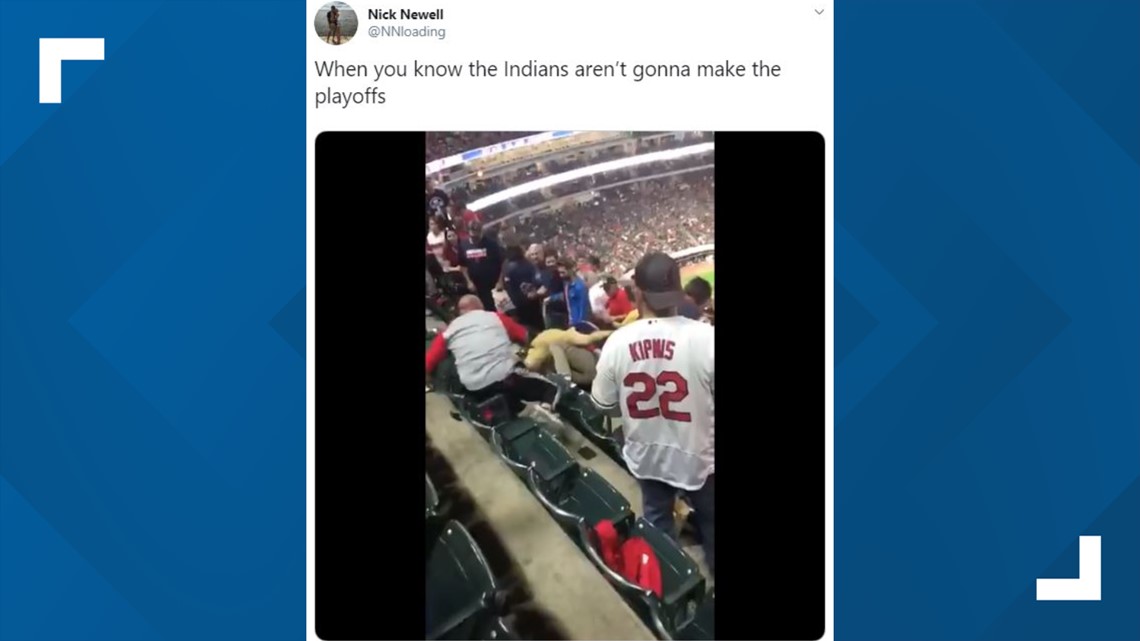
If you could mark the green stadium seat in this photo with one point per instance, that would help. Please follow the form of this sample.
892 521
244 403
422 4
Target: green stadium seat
461 590
431 502
445 379
492 412
438 309
643 601
434 519
524 447
587 496
682 583
702 627
497 629
488 415
516 428
577 409
563 383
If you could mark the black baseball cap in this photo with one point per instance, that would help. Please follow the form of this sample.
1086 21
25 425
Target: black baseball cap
658 277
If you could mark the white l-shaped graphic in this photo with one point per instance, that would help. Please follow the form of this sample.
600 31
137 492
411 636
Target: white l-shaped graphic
53 51
1086 587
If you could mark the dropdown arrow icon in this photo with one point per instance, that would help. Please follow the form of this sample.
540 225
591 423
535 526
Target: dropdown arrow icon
819 12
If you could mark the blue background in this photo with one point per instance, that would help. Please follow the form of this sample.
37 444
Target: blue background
987 336
152 453
152 264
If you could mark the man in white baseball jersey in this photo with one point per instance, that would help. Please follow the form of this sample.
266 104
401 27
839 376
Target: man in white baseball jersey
657 374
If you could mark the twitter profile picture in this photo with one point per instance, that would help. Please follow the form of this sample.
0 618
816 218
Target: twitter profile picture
336 23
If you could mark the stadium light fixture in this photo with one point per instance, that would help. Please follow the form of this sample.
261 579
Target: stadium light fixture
582 172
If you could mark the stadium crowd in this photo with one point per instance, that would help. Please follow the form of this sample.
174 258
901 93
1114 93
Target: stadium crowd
623 223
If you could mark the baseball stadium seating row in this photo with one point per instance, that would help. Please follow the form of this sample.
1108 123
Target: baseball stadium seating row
462 598
579 499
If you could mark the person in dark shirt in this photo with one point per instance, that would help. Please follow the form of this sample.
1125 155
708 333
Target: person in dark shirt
550 280
519 276
436 200
697 295
481 261
551 290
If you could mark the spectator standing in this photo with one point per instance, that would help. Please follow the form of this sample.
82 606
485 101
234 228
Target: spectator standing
481 261
576 293
519 276
440 246
658 375
551 289
435 199
462 218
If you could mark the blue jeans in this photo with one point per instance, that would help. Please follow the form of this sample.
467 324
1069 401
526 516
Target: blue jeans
657 501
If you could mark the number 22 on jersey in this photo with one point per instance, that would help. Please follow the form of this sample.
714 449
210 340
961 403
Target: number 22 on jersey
652 396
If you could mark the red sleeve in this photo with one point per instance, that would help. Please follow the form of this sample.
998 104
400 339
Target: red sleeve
436 353
514 330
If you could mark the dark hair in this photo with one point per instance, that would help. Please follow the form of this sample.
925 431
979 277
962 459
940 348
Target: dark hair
699 290
515 252
439 220
595 261
569 264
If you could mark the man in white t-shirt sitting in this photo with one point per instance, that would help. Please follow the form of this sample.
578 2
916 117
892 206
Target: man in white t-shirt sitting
657 374
599 295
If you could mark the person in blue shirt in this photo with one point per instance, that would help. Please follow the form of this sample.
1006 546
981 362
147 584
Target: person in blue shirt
576 293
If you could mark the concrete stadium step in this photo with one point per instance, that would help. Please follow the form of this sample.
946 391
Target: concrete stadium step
561 580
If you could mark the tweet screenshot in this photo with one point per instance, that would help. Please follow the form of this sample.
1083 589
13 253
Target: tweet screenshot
580 163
